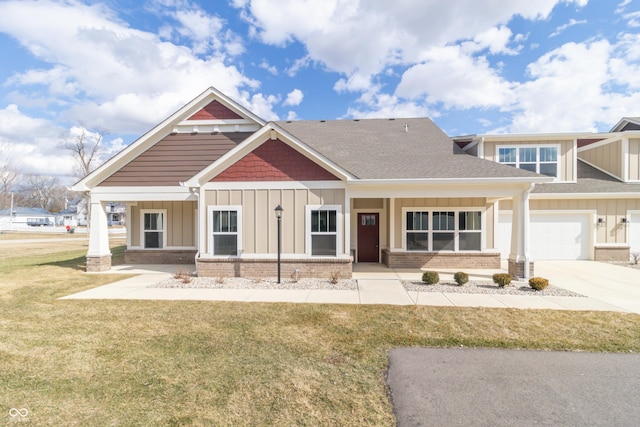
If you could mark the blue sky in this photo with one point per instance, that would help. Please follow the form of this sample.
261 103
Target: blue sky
474 66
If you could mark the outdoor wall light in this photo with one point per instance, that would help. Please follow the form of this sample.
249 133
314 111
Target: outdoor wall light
601 222
624 220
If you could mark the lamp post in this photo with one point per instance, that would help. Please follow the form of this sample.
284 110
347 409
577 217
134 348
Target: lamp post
279 211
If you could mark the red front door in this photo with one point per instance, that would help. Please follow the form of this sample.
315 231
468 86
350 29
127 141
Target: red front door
368 237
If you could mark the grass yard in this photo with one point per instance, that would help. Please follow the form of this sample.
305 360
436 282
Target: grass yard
122 363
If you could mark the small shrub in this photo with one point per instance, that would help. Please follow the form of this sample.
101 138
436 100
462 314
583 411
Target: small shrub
461 278
635 257
295 275
334 277
502 279
430 277
538 283
219 280
182 275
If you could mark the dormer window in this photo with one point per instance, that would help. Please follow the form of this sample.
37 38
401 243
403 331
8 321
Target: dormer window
541 159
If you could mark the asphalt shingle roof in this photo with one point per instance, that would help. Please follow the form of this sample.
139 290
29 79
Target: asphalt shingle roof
590 180
412 148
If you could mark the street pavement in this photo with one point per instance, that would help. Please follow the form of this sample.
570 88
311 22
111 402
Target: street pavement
489 387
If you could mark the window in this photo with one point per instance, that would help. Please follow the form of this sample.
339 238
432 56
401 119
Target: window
225 230
539 159
324 230
447 231
153 229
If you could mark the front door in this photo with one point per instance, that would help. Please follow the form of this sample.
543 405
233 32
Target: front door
368 237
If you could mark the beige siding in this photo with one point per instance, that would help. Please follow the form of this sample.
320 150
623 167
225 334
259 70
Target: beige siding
634 159
181 229
606 157
259 225
477 202
612 210
567 154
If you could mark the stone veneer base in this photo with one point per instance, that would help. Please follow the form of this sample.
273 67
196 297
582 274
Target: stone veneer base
461 260
612 253
96 264
260 268
169 256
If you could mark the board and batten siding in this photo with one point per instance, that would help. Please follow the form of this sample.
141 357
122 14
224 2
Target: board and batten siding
181 217
607 157
429 203
175 159
610 210
259 225
634 159
567 153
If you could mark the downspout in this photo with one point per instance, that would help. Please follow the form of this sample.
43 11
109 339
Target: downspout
527 259
197 255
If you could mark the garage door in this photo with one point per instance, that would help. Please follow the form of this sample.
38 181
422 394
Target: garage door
634 232
553 236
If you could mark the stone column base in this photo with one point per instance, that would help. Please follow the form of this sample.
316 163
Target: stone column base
516 269
96 264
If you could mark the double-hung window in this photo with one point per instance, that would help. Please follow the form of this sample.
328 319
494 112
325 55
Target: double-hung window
443 230
540 159
225 223
154 229
323 230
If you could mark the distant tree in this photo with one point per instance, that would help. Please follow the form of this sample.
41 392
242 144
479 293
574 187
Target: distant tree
85 146
8 173
43 192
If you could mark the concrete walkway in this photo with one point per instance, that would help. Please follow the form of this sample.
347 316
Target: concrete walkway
376 285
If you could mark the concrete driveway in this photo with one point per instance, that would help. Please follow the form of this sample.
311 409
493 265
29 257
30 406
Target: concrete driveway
613 284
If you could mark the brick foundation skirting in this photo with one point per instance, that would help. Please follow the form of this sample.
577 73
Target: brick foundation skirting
159 257
616 253
96 264
262 268
460 260
517 268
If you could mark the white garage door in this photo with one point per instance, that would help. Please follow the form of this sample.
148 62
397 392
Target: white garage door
634 232
553 236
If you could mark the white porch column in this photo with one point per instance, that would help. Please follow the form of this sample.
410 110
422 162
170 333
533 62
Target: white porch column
347 222
519 260
99 255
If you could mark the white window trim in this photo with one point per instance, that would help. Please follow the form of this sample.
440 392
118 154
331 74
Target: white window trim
164 228
456 231
210 210
339 227
537 147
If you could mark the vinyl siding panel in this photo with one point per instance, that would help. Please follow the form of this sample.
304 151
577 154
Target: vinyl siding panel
634 159
174 159
259 225
605 157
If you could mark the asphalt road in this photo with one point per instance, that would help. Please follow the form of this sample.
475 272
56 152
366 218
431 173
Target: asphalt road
487 387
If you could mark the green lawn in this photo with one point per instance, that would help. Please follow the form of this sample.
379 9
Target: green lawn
122 363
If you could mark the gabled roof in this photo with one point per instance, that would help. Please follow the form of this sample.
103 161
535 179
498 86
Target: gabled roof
627 123
20 211
187 118
396 149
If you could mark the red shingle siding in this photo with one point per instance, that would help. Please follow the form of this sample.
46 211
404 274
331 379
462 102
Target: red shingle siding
274 161
175 158
215 111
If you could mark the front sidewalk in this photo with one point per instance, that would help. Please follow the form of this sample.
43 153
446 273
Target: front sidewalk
376 285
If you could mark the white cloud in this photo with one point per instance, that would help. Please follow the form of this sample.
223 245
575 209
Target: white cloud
294 98
563 27
633 19
272 69
116 76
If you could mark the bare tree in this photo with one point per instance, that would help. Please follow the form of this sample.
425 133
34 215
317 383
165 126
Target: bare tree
85 146
41 191
8 173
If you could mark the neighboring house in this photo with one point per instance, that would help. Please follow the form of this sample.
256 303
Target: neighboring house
25 217
116 213
203 186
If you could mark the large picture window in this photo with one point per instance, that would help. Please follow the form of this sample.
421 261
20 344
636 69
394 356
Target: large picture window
324 230
153 229
446 231
539 159
225 230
